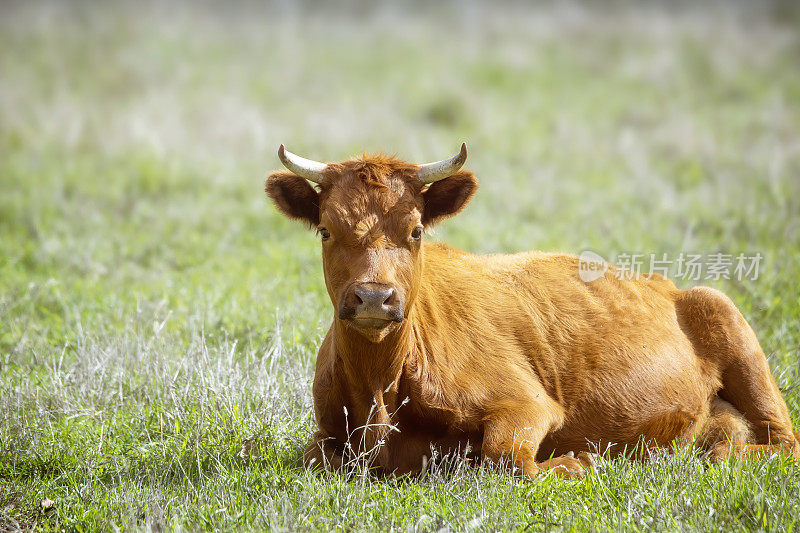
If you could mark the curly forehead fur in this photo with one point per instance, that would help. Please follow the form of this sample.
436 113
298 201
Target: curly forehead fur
375 170
372 184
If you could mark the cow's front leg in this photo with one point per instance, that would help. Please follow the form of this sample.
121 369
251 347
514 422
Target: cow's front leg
514 435
323 452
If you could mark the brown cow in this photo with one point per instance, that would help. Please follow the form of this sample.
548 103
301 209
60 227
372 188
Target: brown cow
512 355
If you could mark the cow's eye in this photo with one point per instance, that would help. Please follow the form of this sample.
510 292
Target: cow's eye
416 233
325 234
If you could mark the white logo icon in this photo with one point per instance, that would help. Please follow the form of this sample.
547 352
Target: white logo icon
591 266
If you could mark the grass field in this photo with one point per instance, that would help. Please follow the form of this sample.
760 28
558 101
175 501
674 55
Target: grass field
159 319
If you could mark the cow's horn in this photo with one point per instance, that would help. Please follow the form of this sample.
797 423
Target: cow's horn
430 172
310 170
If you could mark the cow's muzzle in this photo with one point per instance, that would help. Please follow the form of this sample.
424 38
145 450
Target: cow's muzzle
371 305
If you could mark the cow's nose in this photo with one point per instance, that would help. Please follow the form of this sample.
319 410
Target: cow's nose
370 300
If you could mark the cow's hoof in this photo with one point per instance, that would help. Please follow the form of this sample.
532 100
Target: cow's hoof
588 460
566 467
719 453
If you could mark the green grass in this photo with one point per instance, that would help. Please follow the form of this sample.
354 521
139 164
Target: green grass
158 316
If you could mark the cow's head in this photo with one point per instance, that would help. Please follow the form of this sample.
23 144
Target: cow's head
371 214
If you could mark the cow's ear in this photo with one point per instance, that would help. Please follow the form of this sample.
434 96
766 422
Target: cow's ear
294 197
445 198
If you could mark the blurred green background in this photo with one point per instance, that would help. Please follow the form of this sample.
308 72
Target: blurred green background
158 316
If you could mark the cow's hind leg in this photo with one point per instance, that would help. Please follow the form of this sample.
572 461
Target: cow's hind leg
727 433
729 349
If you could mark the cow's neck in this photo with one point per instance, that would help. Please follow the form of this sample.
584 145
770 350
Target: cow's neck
375 363
374 367
373 371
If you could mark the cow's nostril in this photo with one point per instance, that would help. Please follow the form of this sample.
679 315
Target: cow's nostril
359 301
391 299
381 297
